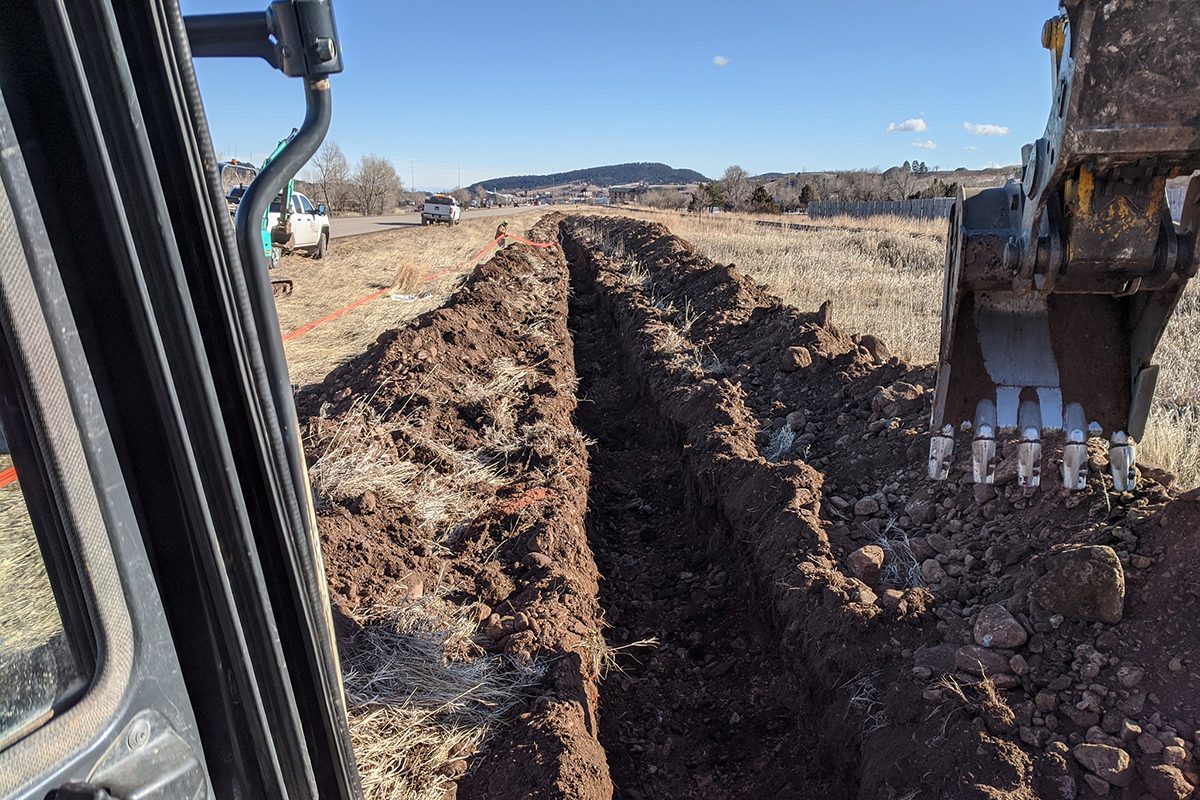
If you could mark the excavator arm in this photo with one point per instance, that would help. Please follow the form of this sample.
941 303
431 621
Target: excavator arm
1059 286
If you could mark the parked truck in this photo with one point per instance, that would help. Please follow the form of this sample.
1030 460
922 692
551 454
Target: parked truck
441 208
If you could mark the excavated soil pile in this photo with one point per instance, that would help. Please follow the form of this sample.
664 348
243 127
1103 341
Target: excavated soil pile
488 379
796 612
935 640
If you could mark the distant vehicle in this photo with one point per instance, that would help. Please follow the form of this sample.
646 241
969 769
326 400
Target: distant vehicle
308 224
441 208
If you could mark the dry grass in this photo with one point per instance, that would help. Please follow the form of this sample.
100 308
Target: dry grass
900 567
442 484
865 702
423 265
884 281
442 487
423 697
914 227
29 615
884 276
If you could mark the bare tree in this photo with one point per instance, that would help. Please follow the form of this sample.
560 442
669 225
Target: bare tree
666 198
330 172
376 185
735 184
901 183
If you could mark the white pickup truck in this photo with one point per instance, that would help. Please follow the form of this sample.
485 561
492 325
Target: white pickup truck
441 208
309 225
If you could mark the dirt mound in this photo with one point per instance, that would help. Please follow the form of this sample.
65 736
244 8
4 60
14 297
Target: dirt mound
955 625
445 459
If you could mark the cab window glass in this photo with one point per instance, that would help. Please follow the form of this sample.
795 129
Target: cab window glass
39 671
307 206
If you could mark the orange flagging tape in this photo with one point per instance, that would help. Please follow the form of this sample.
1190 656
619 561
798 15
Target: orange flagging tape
8 476
303 329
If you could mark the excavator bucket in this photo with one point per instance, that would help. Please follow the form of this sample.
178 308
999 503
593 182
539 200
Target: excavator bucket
1059 286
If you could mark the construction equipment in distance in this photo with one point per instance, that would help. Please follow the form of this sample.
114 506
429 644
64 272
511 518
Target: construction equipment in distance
236 177
1058 286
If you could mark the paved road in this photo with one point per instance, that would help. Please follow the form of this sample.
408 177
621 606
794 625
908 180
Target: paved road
353 226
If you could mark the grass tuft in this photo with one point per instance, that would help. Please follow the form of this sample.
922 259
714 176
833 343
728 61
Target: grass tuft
423 697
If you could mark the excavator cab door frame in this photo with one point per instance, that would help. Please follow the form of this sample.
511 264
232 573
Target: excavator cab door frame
196 657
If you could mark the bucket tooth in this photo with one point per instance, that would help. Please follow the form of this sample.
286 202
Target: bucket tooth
941 446
1075 452
1122 456
1029 449
983 449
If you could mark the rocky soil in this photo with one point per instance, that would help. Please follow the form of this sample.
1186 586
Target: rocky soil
1016 645
796 610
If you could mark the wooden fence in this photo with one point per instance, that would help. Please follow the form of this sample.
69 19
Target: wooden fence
933 208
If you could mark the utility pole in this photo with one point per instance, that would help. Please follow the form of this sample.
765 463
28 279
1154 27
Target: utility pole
412 181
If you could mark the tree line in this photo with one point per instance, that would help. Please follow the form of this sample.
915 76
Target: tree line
737 191
370 187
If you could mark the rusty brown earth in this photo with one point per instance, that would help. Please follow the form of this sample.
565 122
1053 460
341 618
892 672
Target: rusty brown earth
745 459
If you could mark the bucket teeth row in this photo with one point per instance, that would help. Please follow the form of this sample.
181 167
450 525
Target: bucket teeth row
1121 452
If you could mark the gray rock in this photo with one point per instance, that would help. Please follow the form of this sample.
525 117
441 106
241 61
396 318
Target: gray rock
875 346
980 660
932 571
1130 675
1082 582
1112 764
866 563
1046 700
995 627
866 507
1149 744
1175 756
939 542
936 658
1098 786
795 358
919 508
1165 782
865 596
796 420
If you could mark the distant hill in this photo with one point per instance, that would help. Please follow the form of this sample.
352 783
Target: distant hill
612 175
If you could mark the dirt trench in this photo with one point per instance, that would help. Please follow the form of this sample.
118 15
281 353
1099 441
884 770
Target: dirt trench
700 704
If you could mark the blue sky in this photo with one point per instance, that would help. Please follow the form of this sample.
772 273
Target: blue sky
489 89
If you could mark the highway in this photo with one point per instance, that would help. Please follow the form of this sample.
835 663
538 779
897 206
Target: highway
355 226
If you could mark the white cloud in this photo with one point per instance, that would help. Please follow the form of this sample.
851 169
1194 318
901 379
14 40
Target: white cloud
971 148
925 144
908 126
985 129
720 61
